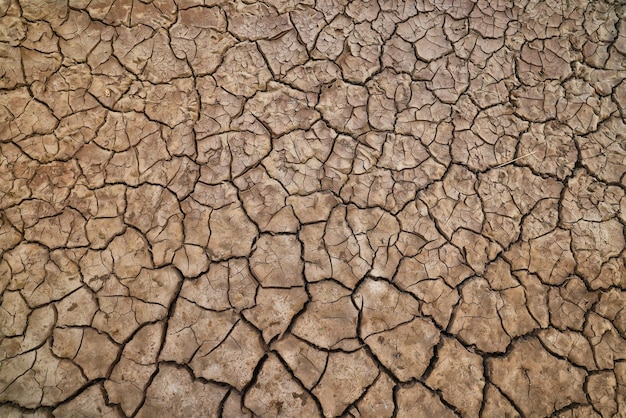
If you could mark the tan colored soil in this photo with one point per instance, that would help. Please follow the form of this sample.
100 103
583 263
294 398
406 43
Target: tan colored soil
352 208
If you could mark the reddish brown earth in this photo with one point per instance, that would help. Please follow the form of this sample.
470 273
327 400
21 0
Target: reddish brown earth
312 208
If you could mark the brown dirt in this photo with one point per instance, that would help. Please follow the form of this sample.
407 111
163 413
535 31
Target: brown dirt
312 208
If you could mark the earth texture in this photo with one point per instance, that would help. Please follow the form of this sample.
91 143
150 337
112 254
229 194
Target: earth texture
317 208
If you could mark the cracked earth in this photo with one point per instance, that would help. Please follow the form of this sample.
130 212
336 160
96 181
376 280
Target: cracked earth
312 208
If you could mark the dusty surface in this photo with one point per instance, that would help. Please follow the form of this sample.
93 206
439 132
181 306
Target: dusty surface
312 208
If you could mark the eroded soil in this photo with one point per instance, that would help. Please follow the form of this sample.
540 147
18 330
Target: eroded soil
312 208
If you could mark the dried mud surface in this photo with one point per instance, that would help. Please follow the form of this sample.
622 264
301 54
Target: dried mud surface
312 208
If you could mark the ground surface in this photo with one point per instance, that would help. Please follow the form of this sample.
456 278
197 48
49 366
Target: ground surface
287 208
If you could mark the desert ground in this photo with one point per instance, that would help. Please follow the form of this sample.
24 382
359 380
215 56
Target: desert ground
317 208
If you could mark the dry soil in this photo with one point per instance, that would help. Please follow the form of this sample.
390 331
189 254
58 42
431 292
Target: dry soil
312 208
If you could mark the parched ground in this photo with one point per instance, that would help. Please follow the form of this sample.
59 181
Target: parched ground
312 208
